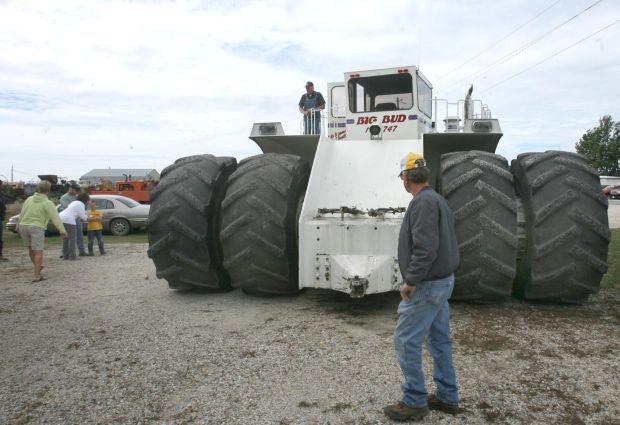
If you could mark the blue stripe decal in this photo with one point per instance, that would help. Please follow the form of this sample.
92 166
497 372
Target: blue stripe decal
350 121
413 117
337 125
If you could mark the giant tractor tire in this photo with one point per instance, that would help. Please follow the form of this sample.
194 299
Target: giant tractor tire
566 226
184 223
259 223
479 188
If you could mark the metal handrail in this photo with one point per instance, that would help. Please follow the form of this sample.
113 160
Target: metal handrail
323 116
478 110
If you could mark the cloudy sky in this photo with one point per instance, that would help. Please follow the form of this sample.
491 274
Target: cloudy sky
136 84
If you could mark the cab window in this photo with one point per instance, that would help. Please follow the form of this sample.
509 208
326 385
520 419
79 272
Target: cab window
338 101
378 93
425 98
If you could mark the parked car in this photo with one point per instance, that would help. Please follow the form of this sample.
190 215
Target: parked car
608 189
121 215
615 193
11 224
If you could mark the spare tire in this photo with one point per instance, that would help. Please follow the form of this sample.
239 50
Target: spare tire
184 222
259 223
479 188
567 227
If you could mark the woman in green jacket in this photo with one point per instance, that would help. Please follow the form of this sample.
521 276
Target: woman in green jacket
37 211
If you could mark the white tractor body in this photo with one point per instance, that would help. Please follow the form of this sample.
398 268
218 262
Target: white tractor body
344 249
354 203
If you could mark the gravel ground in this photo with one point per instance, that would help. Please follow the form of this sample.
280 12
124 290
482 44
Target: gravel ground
103 341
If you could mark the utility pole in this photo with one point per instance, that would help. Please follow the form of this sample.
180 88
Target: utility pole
12 174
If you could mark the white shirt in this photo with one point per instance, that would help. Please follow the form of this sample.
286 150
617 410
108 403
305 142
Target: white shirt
76 209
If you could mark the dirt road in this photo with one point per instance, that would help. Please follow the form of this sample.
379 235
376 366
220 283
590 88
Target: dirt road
103 341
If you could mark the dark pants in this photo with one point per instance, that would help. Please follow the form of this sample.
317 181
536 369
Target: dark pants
79 229
92 234
68 243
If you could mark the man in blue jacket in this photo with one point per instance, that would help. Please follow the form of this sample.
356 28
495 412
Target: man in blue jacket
427 256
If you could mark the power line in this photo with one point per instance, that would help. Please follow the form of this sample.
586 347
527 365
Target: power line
549 57
525 46
497 42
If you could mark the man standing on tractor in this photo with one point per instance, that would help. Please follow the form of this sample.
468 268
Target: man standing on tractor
427 256
311 105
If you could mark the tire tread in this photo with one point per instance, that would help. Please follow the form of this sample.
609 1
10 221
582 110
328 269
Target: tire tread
567 229
184 223
259 225
479 188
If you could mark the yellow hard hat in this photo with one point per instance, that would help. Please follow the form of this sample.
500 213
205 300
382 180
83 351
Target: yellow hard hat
411 161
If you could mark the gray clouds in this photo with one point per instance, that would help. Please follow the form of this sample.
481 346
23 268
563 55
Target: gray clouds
80 81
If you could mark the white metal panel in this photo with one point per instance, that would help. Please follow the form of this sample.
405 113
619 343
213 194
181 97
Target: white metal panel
366 71
361 174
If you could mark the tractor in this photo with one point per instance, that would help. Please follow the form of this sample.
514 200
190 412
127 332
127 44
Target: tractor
324 210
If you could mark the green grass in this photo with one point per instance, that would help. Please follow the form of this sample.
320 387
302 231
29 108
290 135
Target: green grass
612 278
139 236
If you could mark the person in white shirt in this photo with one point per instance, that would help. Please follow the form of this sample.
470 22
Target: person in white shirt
68 216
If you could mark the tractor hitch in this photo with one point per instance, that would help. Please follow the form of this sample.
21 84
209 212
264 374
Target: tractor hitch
358 286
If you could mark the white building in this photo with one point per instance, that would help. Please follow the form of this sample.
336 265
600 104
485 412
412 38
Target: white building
609 180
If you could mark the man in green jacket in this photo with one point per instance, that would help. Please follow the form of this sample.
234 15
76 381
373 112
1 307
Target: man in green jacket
37 211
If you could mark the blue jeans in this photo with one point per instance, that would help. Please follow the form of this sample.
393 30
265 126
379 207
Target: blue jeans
426 315
92 234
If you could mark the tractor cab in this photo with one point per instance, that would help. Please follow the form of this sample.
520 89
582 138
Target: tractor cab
390 104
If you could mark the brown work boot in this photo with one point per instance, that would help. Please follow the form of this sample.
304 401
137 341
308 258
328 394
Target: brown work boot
435 404
401 412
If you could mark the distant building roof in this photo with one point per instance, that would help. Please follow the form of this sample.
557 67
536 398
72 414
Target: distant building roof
111 172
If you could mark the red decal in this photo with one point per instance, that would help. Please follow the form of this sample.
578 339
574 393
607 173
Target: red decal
394 118
366 120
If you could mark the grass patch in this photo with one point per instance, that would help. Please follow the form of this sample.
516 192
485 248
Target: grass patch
610 280
139 236
612 277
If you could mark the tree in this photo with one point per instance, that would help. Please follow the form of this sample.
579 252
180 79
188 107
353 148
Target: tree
601 145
